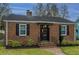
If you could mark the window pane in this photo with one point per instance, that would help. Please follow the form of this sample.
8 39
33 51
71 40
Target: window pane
62 32
22 26
22 31
63 29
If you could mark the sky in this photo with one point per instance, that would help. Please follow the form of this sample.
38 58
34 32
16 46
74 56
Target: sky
20 8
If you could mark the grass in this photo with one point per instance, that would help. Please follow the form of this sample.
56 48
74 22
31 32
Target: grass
27 51
71 50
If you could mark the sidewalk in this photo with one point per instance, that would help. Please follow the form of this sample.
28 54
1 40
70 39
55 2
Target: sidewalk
55 50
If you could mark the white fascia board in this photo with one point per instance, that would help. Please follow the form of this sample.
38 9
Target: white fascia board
37 22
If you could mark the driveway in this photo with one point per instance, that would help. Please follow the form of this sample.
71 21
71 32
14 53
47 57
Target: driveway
55 50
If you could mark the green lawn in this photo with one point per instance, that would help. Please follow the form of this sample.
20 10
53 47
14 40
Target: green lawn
27 51
71 50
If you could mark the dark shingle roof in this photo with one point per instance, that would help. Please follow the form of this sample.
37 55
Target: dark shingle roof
36 18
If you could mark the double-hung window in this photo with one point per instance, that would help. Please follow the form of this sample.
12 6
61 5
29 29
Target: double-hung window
63 30
22 29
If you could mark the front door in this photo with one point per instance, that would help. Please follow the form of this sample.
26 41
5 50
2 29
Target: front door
44 32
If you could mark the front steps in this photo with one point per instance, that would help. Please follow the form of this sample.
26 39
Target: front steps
47 44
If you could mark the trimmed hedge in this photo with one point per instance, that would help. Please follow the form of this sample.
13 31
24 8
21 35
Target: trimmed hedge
68 42
27 43
31 42
14 43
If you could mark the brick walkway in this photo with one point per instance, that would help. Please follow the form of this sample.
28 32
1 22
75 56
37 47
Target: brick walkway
55 50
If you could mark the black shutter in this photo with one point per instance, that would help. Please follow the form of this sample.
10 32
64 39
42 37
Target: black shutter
28 29
67 29
60 37
77 30
59 30
17 29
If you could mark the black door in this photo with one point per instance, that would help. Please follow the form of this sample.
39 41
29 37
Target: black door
44 32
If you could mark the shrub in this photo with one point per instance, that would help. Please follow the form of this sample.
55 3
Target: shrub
65 42
1 36
14 43
68 42
30 42
77 37
23 42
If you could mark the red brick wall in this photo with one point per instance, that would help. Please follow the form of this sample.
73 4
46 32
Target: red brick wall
35 32
54 33
71 33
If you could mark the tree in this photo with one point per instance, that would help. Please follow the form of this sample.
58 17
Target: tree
4 11
54 10
64 11
39 9
47 9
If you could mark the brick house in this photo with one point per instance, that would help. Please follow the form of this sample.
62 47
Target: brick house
39 28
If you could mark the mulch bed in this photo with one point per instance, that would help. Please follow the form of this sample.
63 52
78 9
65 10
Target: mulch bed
67 45
22 47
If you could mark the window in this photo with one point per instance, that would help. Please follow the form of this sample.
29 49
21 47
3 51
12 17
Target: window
22 29
63 30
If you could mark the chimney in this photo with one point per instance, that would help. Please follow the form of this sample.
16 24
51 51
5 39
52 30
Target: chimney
29 13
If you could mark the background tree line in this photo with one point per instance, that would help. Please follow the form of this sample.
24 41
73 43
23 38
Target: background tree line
4 11
51 9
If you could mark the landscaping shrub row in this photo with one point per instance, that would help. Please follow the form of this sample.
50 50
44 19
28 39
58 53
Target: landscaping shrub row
69 43
17 44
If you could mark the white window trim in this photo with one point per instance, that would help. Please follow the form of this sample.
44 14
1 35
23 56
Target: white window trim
65 30
25 30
